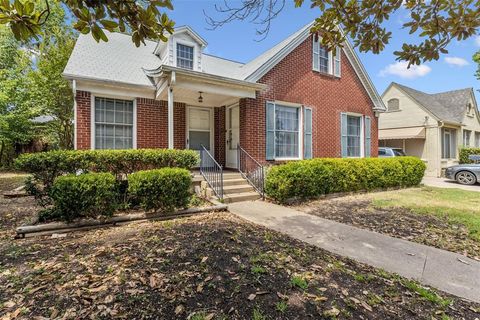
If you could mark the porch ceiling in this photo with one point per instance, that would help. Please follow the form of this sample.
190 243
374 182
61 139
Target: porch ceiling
190 97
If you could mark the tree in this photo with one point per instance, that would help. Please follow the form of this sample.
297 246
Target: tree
143 18
436 22
31 84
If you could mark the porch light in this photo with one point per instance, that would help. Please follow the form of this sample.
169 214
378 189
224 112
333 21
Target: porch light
200 98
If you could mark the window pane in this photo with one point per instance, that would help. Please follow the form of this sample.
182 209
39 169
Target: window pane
199 138
184 56
353 136
113 124
287 144
286 118
323 61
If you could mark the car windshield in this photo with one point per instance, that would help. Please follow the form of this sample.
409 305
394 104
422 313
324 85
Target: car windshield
398 152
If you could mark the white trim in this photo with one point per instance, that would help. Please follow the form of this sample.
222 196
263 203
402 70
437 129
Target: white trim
74 89
212 126
92 119
170 118
195 48
227 123
362 132
300 128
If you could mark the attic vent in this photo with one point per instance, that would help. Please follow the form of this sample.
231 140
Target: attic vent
393 104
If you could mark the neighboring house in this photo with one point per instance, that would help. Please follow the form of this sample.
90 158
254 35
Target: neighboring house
430 126
295 101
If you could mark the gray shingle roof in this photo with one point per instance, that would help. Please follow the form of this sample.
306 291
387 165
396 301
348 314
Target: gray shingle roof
447 106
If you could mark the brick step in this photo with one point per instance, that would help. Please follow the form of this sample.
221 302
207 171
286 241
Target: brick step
238 197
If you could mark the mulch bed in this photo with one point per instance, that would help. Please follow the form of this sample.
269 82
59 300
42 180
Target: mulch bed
214 266
402 223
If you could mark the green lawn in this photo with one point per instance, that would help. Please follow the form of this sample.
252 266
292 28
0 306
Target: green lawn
458 206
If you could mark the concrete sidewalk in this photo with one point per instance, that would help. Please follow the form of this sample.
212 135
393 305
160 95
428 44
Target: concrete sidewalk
447 271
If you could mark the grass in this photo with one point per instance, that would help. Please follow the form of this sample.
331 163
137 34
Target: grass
458 206
299 282
427 294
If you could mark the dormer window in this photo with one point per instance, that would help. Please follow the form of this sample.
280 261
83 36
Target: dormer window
469 109
184 56
325 61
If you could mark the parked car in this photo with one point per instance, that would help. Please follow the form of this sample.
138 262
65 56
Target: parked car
467 173
386 152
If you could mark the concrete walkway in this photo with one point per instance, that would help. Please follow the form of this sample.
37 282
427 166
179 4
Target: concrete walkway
447 271
450 184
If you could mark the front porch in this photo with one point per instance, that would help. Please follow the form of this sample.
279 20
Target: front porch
203 110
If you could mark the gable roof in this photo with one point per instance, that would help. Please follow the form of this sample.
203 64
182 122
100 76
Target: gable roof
449 106
118 60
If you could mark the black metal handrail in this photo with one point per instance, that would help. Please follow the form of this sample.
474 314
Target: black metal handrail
212 172
251 170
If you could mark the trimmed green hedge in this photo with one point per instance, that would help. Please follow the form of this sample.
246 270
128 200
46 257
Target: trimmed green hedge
465 152
46 166
85 195
312 178
162 189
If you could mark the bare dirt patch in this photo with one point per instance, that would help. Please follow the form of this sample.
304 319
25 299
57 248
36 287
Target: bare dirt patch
214 266
397 222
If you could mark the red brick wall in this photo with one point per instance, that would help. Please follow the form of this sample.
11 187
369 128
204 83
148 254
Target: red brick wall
152 123
219 122
293 80
83 99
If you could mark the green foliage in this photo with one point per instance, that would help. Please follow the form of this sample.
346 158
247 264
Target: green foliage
161 189
86 195
312 178
427 294
299 282
143 18
465 152
435 23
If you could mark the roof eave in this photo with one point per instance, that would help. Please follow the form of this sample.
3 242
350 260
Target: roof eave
69 76
164 69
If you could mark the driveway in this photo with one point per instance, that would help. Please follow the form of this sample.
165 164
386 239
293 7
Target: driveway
445 183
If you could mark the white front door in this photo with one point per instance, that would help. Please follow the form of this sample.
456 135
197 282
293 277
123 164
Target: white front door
199 128
232 135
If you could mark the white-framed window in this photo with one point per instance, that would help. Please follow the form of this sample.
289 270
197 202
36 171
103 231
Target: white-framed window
287 132
113 123
325 61
185 56
393 104
477 139
354 136
466 138
449 143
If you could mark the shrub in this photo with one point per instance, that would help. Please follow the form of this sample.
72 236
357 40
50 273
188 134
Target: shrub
85 195
465 152
46 166
162 189
312 178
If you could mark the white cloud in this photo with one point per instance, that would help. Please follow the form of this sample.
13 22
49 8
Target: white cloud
477 41
400 69
456 61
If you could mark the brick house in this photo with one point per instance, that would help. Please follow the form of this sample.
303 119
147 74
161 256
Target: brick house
295 101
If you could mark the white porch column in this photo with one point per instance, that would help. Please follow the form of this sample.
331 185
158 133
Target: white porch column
170 117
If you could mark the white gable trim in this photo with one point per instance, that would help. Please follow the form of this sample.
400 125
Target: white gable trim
184 29
347 49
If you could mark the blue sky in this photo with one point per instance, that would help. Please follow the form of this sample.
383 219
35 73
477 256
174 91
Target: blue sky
238 41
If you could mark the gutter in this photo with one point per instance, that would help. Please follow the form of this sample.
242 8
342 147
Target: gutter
163 69
106 81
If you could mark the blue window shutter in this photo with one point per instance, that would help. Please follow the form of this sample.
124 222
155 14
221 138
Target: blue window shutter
270 131
307 133
343 130
368 138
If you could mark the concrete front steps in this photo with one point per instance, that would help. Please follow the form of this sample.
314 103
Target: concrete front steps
235 189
